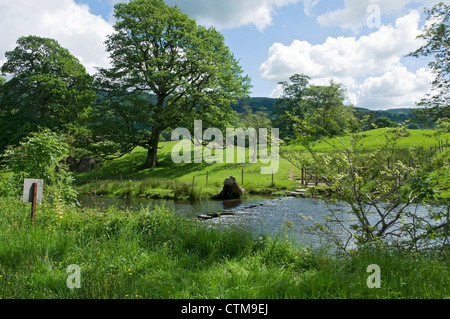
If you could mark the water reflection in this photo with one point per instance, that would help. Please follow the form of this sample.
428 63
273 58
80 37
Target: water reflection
259 215
183 208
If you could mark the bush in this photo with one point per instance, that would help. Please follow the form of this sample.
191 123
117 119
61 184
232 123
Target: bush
38 156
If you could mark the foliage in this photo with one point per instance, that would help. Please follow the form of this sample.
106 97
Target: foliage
38 156
319 109
49 88
291 102
328 115
166 72
380 189
436 34
383 122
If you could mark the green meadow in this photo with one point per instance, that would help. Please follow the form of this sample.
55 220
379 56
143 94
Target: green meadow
156 255
124 177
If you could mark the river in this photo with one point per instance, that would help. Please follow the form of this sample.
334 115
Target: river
260 215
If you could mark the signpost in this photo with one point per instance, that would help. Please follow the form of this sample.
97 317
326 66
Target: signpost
32 193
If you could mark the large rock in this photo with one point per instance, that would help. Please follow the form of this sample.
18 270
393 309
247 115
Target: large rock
231 190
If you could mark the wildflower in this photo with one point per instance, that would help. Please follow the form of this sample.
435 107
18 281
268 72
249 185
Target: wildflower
102 186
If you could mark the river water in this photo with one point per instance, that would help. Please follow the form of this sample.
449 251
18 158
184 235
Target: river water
260 215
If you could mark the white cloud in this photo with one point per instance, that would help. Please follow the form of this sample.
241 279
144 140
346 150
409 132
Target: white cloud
233 13
357 12
309 5
398 88
72 25
347 60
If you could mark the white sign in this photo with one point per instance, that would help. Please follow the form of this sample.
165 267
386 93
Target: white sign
28 190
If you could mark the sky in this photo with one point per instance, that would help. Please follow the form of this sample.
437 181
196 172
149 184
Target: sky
361 44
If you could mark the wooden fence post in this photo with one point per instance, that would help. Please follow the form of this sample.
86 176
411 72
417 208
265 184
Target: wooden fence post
33 202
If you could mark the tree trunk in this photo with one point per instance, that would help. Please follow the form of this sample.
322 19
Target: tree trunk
152 154
152 159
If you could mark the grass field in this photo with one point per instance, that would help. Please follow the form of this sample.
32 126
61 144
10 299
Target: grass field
154 255
124 177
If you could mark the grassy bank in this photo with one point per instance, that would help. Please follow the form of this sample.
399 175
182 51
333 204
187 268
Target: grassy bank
124 177
157 255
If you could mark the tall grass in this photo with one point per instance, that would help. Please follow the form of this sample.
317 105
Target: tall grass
154 254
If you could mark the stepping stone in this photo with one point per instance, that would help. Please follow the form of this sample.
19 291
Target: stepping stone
229 213
204 217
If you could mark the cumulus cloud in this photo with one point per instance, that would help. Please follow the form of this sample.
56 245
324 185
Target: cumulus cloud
375 57
233 13
357 12
398 88
71 24
344 57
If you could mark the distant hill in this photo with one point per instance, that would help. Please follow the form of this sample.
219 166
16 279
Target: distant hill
395 115
256 103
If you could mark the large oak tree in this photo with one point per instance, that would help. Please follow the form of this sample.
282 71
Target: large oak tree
166 71
47 87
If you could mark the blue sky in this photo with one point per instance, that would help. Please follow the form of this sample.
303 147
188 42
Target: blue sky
359 43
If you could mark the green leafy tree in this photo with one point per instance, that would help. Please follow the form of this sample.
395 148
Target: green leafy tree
383 122
318 110
437 37
328 115
255 120
48 88
291 103
38 156
166 72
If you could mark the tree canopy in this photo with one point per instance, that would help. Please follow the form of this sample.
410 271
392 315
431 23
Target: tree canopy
166 72
49 88
319 110
436 35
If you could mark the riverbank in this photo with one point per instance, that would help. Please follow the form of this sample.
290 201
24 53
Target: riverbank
156 255
125 178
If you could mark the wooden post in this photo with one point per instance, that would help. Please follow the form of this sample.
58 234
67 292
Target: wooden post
33 202
193 181
303 176
272 177
121 180
207 173
316 179
242 177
